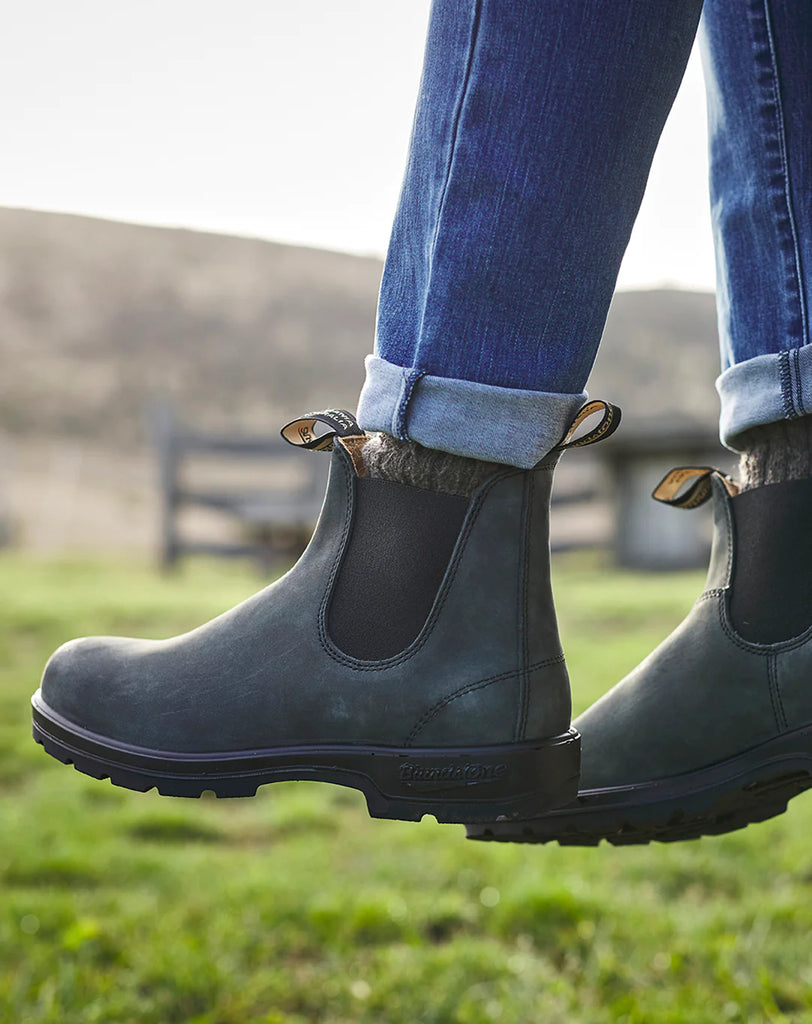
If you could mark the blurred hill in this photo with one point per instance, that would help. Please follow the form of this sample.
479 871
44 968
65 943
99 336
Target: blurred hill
98 317
101 318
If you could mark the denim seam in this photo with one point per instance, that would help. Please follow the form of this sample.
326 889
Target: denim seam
782 142
463 691
785 379
451 152
776 150
799 390
410 379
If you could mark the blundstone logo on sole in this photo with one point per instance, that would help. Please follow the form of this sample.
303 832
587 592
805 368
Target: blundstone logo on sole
469 774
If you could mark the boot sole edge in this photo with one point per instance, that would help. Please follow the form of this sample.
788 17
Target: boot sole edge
455 785
724 797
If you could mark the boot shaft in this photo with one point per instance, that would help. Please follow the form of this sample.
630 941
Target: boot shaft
413 565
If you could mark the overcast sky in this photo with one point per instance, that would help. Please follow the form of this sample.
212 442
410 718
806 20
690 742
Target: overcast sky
266 118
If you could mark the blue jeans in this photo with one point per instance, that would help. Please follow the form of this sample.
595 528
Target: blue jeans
536 124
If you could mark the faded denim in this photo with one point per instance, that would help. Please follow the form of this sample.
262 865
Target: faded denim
534 133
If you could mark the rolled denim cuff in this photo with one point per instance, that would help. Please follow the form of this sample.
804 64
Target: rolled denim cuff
764 389
480 421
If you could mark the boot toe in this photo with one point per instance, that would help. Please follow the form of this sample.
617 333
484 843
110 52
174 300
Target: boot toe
85 681
622 739
602 754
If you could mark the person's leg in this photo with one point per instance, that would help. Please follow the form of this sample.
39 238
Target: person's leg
714 729
758 69
535 128
764 304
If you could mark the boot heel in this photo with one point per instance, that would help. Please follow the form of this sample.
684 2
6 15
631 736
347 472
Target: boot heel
476 784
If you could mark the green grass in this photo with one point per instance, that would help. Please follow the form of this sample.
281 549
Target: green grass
296 907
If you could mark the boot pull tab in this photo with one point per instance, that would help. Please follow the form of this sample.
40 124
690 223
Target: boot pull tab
690 486
302 433
607 425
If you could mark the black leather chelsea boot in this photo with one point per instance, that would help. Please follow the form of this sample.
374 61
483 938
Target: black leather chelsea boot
411 653
713 730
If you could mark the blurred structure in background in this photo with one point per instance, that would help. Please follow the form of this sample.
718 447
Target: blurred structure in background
237 336
259 484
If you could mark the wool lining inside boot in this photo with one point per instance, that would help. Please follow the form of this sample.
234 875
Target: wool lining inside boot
407 462
776 452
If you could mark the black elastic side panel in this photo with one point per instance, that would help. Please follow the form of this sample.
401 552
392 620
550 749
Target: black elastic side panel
401 541
772 579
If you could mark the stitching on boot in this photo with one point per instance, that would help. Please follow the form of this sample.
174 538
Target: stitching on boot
445 588
731 541
343 458
524 652
525 681
732 635
354 447
775 693
764 650
470 688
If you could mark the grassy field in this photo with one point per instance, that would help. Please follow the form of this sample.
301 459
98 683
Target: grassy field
295 907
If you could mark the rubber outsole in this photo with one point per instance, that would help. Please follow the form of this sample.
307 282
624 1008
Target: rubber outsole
721 798
455 785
